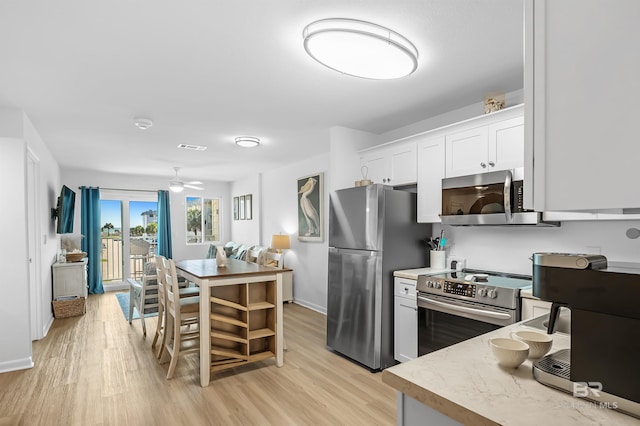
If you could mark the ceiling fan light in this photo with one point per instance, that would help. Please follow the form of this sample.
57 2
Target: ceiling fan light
360 49
247 141
176 186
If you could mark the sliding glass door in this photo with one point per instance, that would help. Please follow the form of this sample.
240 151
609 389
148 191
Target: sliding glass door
129 234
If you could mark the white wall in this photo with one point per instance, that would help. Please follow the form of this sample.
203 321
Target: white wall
508 249
74 178
247 231
344 159
470 111
17 135
15 328
280 215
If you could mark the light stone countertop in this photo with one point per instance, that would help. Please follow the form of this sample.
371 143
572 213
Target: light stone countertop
466 383
412 274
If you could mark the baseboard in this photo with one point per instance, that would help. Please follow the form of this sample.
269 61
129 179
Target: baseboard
115 287
313 307
16 364
47 326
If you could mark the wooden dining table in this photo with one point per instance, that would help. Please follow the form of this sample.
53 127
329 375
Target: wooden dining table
240 313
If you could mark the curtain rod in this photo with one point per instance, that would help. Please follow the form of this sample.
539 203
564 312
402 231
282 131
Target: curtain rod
130 190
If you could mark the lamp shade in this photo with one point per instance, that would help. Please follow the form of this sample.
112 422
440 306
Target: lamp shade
280 242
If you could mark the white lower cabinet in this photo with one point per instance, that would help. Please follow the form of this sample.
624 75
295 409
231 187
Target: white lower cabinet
405 320
70 279
533 308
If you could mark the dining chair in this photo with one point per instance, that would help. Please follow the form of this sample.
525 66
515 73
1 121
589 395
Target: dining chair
185 291
143 294
182 332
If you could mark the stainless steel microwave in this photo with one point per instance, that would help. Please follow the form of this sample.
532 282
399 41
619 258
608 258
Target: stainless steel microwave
493 198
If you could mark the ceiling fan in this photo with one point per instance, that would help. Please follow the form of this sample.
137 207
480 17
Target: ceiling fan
177 185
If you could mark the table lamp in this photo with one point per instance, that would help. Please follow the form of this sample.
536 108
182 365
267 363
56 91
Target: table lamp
280 242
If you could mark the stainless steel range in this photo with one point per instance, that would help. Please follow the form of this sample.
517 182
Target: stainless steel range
457 306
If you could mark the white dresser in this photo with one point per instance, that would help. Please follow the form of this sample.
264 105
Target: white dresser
70 279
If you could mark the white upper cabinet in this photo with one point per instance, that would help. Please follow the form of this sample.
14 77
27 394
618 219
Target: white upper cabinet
496 143
506 144
467 152
582 85
391 164
430 173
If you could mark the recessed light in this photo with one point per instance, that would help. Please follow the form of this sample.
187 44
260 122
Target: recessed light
247 141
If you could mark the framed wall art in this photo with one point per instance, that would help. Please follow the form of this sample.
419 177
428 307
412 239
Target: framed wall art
248 207
236 203
310 211
241 207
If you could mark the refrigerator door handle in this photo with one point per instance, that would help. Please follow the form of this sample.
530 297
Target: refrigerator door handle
370 253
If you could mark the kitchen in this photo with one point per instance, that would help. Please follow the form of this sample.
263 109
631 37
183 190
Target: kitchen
513 246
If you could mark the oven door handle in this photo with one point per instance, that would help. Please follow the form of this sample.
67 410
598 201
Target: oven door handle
474 311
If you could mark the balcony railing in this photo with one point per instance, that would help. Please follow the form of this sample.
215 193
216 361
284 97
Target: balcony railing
111 259
142 250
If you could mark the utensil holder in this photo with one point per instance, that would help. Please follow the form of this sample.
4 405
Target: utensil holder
437 259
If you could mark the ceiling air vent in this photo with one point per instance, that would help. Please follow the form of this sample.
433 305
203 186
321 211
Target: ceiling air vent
192 147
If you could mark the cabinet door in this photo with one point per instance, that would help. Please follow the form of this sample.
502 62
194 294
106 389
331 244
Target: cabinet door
405 329
430 173
584 133
467 152
69 280
532 308
506 144
376 162
402 164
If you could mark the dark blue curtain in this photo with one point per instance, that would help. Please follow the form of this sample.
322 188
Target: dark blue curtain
164 225
91 243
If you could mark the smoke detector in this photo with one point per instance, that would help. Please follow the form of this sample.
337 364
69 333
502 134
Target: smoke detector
142 123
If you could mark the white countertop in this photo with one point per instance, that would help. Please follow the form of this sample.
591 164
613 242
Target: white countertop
412 274
466 383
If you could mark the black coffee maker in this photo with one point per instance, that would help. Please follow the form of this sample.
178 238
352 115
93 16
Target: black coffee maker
605 322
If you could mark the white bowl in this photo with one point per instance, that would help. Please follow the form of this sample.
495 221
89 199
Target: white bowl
539 343
509 352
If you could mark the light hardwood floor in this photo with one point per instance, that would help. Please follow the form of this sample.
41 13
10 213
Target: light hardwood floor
96 369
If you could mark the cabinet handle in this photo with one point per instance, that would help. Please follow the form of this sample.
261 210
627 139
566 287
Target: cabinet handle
410 307
483 165
492 164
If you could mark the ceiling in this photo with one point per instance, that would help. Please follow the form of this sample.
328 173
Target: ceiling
207 71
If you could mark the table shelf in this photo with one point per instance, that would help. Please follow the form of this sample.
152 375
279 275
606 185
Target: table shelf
243 324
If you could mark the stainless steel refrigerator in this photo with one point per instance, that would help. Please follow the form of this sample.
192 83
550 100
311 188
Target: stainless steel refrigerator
372 232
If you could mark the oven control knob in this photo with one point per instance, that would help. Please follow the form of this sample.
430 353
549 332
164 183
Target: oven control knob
482 292
492 293
429 283
436 284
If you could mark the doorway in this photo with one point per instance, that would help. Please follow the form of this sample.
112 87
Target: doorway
33 230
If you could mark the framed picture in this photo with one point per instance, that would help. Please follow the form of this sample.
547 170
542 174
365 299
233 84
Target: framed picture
236 202
310 211
247 207
241 207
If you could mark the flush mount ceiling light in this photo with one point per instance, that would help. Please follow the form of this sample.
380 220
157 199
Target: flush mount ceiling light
142 123
360 48
247 141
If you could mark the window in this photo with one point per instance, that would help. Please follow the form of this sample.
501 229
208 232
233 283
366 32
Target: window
202 220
